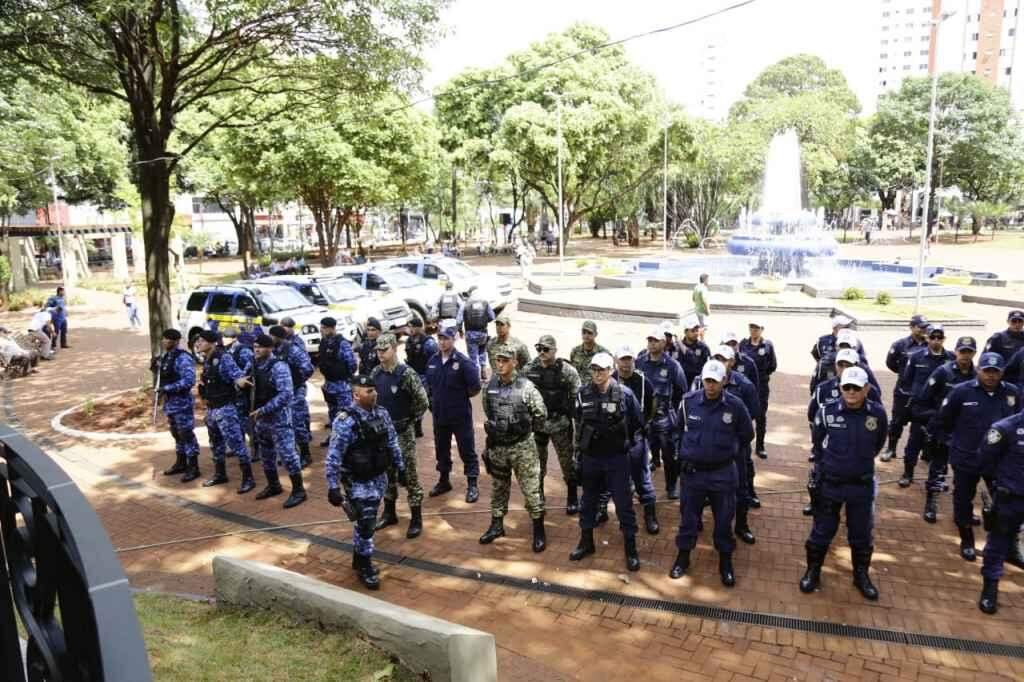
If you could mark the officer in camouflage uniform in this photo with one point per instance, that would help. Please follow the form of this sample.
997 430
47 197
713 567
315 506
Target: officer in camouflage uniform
177 377
514 409
337 363
363 447
582 354
401 393
291 351
503 323
558 383
419 348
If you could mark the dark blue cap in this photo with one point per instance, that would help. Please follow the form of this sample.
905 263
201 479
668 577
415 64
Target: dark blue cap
264 341
936 329
991 361
966 343
918 321
1015 315
450 332
362 380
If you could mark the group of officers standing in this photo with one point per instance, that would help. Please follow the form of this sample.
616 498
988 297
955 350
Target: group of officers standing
699 412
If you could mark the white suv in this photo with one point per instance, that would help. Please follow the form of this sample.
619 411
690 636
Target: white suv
346 298
421 297
465 280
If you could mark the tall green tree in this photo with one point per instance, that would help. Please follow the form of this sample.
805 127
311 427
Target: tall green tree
161 58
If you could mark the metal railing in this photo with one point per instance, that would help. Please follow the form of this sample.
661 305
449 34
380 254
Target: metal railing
60 578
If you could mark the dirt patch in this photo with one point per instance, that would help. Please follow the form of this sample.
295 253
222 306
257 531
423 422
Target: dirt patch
129 412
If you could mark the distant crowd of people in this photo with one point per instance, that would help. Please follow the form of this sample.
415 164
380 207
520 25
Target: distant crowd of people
47 333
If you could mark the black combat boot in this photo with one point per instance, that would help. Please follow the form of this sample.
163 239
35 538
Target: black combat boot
472 490
989 602
273 485
305 458
540 539
248 482
178 467
325 442
967 543
725 570
572 500
443 485
191 470
743 531
861 579
389 517
672 480
931 506
908 474
655 461
298 495
220 475
415 522
651 519
682 563
815 560
602 510
495 531
632 556
890 449
585 546
418 428
368 575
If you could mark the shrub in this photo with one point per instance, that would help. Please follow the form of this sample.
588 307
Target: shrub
852 294
883 298
20 300
692 240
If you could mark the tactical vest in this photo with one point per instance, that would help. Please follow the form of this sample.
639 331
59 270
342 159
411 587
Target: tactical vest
284 351
551 385
235 351
392 397
169 367
415 352
368 455
331 366
506 407
448 306
212 387
475 316
264 381
603 422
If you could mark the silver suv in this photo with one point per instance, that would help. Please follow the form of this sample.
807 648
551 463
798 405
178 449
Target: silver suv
419 296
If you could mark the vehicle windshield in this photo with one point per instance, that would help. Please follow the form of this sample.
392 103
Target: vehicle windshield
339 290
284 298
399 278
458 269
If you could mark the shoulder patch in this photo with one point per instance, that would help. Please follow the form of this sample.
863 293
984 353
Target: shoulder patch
871 423
1011 400
993 436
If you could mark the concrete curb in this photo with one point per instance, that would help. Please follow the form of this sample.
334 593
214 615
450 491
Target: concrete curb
584 311
57 425
442 650
988 300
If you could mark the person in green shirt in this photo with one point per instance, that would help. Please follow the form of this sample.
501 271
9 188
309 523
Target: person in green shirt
701 306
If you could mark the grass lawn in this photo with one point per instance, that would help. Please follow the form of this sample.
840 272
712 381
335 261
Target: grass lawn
869 309
190 641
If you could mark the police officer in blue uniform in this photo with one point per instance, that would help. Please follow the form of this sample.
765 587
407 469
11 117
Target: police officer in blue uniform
899 353
762 351
1015 368
913 380
669 383
59 316
476 315
848 435
451 381
239 347
607 420
218 387
1006 342
639 460
293 354
1002 453
923 408
715 425
824 351
367 349
177 377
449 305
744 364
963 419
693 352
337 363
363 447
419 348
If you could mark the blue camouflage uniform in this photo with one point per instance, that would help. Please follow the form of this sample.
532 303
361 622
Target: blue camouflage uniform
337 363
363 447
242 353
710 453
913 379
475 316
963 419
450 384
669 382
293 353
367 352
692 358
639 459
766 363
847 441
177 377
899 354
1002 455
923 408
275 437
218 390
607 425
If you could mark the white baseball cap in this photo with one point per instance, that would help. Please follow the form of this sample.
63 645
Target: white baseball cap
854 375
847 336
756 322
691 322
725 351
602 360
730 337
713 369
625 352
840 321
848 355
656 332
667 327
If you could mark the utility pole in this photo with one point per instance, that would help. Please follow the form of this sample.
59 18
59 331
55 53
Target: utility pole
664 192
561 203
67 268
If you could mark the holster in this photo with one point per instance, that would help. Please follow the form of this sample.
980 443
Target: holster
586 437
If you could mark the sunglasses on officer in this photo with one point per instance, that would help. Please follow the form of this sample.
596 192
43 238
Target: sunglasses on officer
852 388
541 348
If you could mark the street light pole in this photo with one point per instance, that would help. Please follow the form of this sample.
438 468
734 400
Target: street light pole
561 204
664 192
67 269
937 23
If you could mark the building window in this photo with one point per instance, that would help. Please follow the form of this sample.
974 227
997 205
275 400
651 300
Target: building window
1009 70
908 53
1002 52
910 24
885 14
925 39
885 42
1012 32
974 36
923 67
884 55
924 53
906 67
885 28
974 55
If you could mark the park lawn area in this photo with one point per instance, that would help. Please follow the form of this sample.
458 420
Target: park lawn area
189 640
898 311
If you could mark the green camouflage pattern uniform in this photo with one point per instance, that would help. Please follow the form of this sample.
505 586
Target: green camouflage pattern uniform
581 357
407 437
558 427
518 349
519 458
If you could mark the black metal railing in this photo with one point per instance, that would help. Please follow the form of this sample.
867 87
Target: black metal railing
60 577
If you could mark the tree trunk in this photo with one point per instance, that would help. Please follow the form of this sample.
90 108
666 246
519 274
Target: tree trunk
157 214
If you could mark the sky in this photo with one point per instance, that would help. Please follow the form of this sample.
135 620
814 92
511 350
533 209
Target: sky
844 33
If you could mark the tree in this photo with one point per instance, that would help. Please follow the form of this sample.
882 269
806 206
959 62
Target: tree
161 58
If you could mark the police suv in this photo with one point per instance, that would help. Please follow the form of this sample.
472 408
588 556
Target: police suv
346 298
421 297
465 280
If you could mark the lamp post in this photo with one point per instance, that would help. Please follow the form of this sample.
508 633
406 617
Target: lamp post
664 190
68 270
561 203
937 23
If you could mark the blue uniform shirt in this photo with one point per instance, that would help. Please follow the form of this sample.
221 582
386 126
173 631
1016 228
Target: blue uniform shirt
919 368
179 394
243 356
450 385
846 441
925 404
746 366
828 392
692 358
1006 343
60 308
1002 452
900 352
227 369
297 360
667 378
347 358
343 435
418 361
967 413
1014 371
763 355
713 430
281 377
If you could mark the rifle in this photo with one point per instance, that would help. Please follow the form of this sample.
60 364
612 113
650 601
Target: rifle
156 387
252 420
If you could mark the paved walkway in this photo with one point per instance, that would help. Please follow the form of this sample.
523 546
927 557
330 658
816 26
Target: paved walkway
925 587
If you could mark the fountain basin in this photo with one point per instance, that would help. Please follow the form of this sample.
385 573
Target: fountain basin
754 245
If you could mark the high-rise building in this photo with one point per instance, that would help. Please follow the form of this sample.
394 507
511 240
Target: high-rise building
979 37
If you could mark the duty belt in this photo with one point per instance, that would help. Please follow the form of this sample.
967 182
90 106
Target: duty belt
864 479
707 466
501 442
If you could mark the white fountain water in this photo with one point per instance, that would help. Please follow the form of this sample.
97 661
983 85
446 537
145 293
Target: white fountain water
780 195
